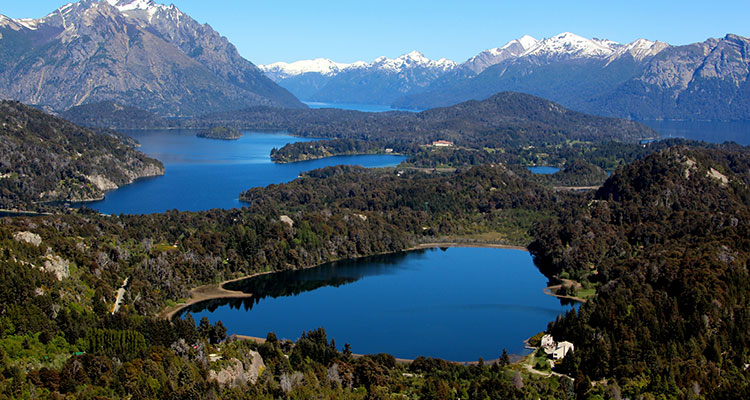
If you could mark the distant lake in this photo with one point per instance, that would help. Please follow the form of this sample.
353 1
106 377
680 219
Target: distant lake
202 174
355 106
458 304
544 170
712 132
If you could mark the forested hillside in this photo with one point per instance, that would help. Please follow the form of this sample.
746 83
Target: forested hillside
45 158
664 243
668 241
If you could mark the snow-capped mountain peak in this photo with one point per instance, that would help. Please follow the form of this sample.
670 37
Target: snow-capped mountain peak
572 45
127 5
639 49
322 66
142 8
490 57
409 60
413 59
527 41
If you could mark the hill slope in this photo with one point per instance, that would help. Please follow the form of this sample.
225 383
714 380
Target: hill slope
45 158
667 240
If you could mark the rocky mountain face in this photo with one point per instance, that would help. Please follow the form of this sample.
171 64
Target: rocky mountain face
700 81
135 52
641 80
45 158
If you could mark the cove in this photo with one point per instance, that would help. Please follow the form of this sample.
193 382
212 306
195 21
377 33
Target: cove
202 174
457 303
543 170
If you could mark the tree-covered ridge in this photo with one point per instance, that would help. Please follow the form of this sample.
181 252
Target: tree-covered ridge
220 133
482 199
503 118
668 240
45 158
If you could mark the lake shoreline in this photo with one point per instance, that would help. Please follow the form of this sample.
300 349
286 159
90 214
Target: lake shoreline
217 291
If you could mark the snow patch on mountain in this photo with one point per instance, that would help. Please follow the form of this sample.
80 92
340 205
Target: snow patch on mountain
571 45
323 66
133 8
410 60
490 57
639 50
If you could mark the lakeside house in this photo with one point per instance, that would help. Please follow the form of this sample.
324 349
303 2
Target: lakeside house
442 143
562 349
555 349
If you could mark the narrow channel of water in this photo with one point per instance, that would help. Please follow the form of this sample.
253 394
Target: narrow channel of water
202 174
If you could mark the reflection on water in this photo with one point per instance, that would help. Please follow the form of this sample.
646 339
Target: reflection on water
294 282
457 304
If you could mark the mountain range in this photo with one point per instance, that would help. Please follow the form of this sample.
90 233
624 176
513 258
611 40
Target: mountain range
381 81
135 52
642 80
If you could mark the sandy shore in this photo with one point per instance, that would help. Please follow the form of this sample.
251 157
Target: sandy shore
549 291
208 292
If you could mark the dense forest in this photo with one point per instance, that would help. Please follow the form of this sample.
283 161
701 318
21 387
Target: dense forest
664 242
221 133
45 158
662 248
667 239
505 118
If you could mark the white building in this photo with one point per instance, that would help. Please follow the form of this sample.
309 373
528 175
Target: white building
562 349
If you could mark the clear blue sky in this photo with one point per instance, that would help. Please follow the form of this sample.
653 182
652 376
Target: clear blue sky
349 30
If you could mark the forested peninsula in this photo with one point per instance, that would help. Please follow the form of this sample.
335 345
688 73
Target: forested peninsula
48 159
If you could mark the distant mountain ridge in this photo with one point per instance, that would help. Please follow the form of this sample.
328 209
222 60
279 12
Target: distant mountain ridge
135 52
386 81
378 82
643 79
640 80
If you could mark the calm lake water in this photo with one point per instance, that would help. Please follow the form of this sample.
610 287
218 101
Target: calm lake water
544 170
355 106
458 303
202 174
712 132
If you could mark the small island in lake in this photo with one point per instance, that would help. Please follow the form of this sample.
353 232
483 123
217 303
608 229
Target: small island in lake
220 132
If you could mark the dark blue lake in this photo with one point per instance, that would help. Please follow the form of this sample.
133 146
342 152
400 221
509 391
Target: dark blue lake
355 106
712 132
458 303
544 170
202 174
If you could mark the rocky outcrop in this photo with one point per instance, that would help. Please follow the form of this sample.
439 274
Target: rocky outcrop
28 237
238 373
57 265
